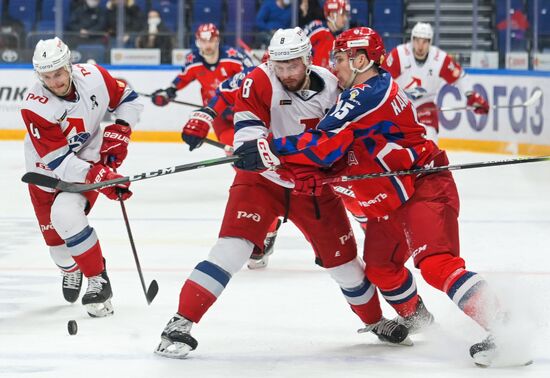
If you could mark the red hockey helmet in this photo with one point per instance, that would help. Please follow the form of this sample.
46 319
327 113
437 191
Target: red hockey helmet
336 6
206 32
361 38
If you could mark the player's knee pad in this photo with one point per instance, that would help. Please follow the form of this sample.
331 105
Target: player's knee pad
436 269
62 257
348 275
67 214
231 254
386 278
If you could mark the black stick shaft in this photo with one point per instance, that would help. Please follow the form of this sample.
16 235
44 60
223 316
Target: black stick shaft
174 101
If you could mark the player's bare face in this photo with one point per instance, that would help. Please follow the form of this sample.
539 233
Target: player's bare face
340 20
420 46
291 73
209 48
58 81
342 69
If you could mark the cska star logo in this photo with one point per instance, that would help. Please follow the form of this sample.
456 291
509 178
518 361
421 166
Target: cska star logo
190 58
232 52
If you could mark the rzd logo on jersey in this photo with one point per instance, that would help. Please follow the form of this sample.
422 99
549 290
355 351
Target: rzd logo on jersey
254 216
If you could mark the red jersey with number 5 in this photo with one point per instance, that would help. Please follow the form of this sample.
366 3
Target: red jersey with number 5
64 136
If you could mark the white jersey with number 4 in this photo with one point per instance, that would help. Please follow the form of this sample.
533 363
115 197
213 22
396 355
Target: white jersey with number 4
263 107
65 136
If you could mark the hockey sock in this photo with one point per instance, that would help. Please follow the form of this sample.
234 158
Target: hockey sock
404 297
364 301
91 262
202 288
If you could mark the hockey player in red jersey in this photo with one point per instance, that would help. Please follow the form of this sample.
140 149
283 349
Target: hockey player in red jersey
421 69
209 64
374 128
62 113
283 97
322 33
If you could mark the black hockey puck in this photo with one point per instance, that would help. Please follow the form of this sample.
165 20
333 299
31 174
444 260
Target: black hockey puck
72 327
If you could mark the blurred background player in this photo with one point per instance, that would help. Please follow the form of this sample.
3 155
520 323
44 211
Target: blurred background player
322 33
62 113
210 64
421 69
279 98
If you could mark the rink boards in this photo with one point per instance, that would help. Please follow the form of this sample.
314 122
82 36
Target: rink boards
519 130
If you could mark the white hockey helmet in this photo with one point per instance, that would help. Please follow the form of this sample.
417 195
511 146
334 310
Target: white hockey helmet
287 44
50 55
422 30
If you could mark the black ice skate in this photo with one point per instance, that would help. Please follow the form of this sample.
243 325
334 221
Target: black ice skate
419 320
176 340
389 331
71 285
259 259
97 299
486 354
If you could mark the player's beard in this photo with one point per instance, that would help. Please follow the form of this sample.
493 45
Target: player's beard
293 85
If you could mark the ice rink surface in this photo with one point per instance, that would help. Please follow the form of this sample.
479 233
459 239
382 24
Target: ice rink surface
289 320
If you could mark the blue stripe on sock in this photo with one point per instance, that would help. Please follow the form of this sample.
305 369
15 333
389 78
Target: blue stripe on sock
80 237
358 291
453 289
214 271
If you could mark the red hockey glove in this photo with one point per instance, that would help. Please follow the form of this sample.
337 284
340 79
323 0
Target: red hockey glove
99 173
479 104
196 129
308 180
161 97
115 144
256 155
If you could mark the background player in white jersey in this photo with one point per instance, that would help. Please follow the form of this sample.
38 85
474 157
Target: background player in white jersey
280 98
62 114
421 69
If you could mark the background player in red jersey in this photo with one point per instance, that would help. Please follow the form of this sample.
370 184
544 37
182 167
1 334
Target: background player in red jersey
322 33
282 97
409 216
210 64
62 113
421 69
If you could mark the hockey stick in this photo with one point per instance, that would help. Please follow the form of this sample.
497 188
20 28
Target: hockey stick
530 101
150 293
332 180
215 143
175 101
71 187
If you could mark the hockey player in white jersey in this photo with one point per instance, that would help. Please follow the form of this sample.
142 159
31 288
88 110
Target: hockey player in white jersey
421 69
62 112
280 98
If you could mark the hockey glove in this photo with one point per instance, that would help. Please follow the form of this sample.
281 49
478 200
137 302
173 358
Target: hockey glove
197 127
99 173
479 104
256 155
308 180
115 144
161 97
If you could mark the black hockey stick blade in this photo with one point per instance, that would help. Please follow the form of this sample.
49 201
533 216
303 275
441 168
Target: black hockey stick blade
152 291
50 182
426 170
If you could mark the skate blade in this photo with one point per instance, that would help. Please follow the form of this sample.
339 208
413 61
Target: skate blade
100 310
406 342
489 359
169 349
258 264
